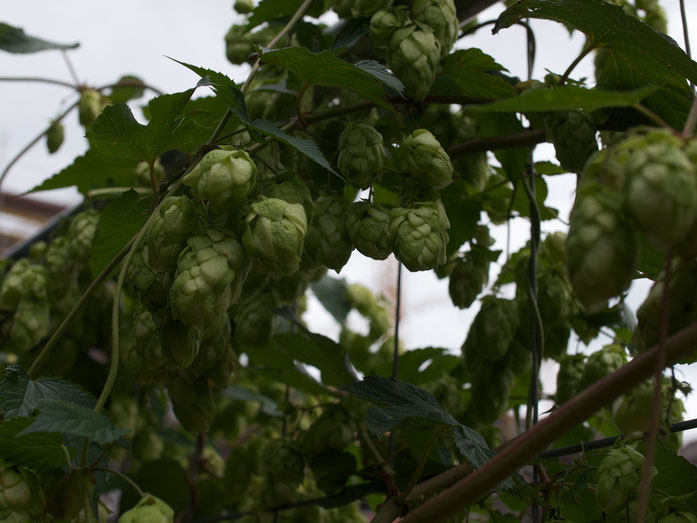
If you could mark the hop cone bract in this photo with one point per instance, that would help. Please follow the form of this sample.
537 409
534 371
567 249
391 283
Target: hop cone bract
368 227
426 160
419 235
441 16
361 154
413 56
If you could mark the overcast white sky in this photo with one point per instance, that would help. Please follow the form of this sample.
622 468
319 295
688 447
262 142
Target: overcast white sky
133 37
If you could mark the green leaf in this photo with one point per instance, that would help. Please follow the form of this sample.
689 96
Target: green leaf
564 98
380 72
521 201
514 160
219 82
470 72
549 168
420 366
15 40
326 69
19 395
117 133
318 351
164 478
651 260
64 417
271 9
351 493
637 54
268 406
676 476
331 293
472 446
37 451
93 170
128 87
120 220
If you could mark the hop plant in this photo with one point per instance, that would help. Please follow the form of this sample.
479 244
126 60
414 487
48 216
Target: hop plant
293 190
223 178
54 137
573 136
179 345
244 6
619 476
81 232
601 247
89 107
383 25
361 154
209 277
255 319
275 233
368 226
632 412
145 357
328 241
342 8
441 16
145 283
164 248
413 56
193 403
283 470
467 279
601 363
420 235
368 7
426 160
149 509
239 42
21 497
660 187
569 377
25 279
491 332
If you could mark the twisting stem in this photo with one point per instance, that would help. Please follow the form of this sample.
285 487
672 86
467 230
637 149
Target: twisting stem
96 283
123 477
39 79
645 488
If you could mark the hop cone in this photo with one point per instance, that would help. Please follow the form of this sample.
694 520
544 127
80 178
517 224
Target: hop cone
467 280
441 16
426 160
81 232
328 242
144 282
619 476
224 178
239 42
167 235
283 471
179 345
420 235
383 25
244 6
30 323
573 136
569 377
361 154
21 496
368 7
661 186
413 56
491 332
208 279
601 363
255 319
25 279
89 107
275 233
490 390
368 227
145 357
193 403
294 190
149 510
54 137
601 247
342 8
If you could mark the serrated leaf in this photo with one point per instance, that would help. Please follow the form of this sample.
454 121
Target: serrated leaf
219 82
331 293
92 170
470 72
19 395
420 366
472 446
638 55
120 220
117 133
676 476
63 417
15 40
326 69
564 98
380 72
37 451
268 406
320 352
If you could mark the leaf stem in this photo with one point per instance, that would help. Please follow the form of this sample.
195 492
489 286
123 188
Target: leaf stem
652 116
71 69
564 77
53 340
422 462
39 79
123 477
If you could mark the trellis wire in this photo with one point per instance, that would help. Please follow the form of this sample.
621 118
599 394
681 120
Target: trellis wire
686 35
395 353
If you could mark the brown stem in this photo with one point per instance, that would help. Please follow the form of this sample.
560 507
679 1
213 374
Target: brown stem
482 481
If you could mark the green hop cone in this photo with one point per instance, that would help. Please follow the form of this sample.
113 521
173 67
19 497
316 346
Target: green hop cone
255 319
24 280
179 345
573 136
342 8
89 107
274 234
193 403
293 190
244 6
601 363
368 226
30 323
618 476
179 219
283 470
144 282
601 247
569 377
163 249
490 390
144 359
441 16
420 235
239 42
21 496
413 56
660 187
54 137
383 25
426 160
209 277
223 178
361 154
554 297
81 232
491 332
468 279
328 242
149 510
368 7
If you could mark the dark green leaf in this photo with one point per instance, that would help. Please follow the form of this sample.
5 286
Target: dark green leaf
326 69
164 478
61 416
651 260
637 54
93 170
521 201
268 406
318 351
513 161
271 9
220 83
127 88
351 32
472 446
564 98
549 168
120 220
331 293
37 451
420 366
470 71
352 493
15 40
19 395
380 72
